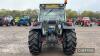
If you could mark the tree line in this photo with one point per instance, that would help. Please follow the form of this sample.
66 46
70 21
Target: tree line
34 13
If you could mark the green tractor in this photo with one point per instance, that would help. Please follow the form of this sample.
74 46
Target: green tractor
52 27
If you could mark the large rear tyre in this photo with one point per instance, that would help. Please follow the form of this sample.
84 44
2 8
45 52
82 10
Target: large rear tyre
34 42
69 42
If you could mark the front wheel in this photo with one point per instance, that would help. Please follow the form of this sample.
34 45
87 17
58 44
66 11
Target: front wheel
69 42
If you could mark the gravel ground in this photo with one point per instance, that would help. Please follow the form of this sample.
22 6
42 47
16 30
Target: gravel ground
13 42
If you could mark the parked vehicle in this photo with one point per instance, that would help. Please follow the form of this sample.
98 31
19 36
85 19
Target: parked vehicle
6 20
98 22
10 20
23 21
86 21
17 19
1 21
78 21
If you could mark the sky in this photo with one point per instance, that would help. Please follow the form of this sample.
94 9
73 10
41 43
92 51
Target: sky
78 5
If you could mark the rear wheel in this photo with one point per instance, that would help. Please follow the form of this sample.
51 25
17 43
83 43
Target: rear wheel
34 42
69 42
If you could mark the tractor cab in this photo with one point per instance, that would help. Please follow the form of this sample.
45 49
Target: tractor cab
52 12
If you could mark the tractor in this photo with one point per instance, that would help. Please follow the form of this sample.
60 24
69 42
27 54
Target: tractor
23 21
50 28
5 20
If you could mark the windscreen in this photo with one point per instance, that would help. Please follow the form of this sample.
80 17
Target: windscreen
52 14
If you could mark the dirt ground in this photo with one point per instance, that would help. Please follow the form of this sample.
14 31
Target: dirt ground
13 42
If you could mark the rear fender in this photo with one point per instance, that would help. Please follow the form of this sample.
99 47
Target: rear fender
37 27
64 26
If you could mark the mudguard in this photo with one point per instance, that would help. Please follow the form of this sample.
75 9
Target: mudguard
64 26
36 27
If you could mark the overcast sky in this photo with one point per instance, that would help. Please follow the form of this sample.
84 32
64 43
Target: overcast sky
78 5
